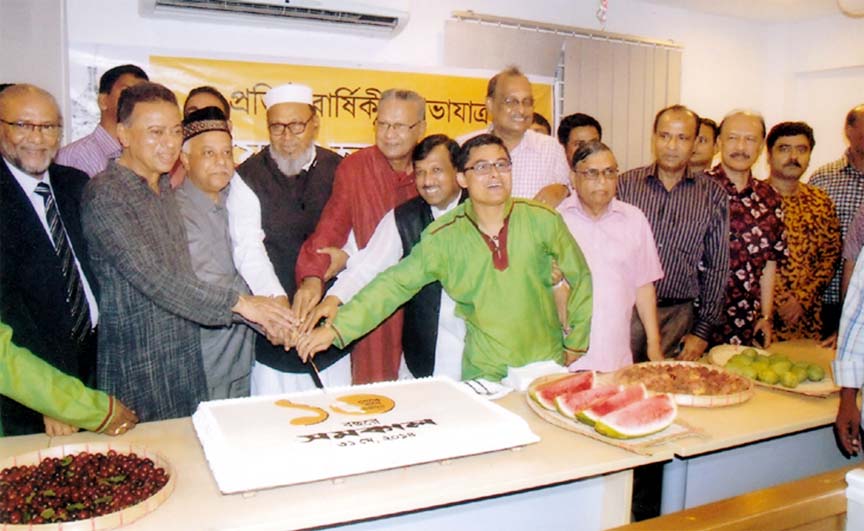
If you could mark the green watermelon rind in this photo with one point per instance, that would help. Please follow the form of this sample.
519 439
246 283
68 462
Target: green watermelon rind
536 392
603 427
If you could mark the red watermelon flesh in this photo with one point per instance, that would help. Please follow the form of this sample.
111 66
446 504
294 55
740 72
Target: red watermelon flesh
545 394
572 403
639 419
625 397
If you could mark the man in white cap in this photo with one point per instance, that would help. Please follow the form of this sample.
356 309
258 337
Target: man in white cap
274 206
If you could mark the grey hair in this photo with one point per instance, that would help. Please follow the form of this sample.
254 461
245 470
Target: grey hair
22 89
404 95
586 150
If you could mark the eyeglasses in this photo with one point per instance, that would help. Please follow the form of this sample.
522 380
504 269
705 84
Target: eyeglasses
484 167
25 128
594 175
296 128
511 102
397 128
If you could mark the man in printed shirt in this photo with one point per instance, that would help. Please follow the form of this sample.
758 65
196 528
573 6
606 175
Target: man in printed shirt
92 153
756 233
493 255
689 215
812 234
540 169
843 179
208 158
368 184
619 247
433 337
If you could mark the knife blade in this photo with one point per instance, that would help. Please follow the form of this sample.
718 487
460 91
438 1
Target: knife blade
316 376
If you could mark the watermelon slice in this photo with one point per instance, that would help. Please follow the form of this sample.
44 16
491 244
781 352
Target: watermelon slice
639 419
625 397
572 403
545 394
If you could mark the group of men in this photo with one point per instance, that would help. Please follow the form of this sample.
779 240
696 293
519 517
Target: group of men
412 257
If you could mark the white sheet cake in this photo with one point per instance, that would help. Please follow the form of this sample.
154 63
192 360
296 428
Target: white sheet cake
259 442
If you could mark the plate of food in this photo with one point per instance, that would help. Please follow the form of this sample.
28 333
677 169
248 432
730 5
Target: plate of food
689 383
627 416
83 486
777 371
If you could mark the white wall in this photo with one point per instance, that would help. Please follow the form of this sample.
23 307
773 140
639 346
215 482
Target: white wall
786 70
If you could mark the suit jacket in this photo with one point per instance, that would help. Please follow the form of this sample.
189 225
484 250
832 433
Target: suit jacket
32 293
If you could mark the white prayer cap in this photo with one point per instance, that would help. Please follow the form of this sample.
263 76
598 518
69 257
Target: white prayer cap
289 93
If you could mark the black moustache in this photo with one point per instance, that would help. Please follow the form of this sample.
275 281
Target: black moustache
745 155
794 163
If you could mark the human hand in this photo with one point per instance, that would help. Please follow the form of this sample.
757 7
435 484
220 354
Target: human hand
338 260
693 348
56 428
327 309
763 325
790 310
124 419
319 339
552 194
829 342
557 275
307 296
848 422
654 351
271 313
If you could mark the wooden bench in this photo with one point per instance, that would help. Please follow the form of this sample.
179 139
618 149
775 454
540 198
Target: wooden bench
809 504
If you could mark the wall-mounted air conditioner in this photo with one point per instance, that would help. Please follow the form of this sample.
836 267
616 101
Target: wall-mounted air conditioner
326 15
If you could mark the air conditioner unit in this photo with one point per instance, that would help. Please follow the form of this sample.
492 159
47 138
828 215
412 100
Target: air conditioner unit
333 15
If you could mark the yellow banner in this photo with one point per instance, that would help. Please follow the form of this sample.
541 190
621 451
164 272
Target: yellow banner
346 98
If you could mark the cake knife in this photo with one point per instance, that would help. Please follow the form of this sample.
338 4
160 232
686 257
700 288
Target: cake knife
316 376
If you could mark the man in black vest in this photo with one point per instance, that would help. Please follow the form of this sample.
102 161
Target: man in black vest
432 335
273 207
45 293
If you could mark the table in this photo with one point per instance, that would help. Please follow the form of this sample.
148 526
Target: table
564 479
773 438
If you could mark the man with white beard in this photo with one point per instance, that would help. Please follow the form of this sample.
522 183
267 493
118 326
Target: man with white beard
275 206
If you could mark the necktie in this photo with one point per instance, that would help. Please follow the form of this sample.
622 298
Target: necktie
75 298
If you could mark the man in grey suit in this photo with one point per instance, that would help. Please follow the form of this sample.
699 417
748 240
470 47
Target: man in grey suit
152 302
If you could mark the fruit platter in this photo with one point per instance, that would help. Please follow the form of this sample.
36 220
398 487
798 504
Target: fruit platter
627 416
83 486
689 383
776 371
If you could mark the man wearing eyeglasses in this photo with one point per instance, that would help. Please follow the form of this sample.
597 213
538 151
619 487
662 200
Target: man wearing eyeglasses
273 208
493 255
619 247
540 169
368 184
46 292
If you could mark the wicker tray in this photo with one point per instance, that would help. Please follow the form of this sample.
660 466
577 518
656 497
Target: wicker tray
720 354
692 400
648 445
107 521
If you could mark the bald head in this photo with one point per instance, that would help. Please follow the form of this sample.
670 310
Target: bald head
30 128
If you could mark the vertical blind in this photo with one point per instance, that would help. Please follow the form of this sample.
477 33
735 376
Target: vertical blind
622 83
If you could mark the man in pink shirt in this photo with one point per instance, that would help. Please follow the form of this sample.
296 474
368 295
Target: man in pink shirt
618 244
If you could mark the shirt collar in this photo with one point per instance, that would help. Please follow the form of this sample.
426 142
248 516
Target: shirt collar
438 212
112 145
689 173
573 204
528 141
26 181
472 214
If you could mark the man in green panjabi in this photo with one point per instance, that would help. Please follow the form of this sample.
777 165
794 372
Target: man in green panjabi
493 255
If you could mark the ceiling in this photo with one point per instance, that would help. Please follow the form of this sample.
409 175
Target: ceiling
768 10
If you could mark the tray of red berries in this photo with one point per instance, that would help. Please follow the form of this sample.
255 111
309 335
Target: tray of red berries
82 486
